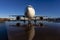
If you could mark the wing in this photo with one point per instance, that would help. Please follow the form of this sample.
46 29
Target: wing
16 17
35 18
49 18
22 17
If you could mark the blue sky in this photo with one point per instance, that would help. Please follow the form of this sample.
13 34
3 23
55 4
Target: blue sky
42 7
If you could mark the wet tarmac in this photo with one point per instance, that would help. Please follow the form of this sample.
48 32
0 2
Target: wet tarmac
3 32
46 31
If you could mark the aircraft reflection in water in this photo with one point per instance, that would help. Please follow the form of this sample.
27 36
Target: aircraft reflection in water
29 16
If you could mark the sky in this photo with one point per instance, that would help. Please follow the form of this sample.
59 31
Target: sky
49 8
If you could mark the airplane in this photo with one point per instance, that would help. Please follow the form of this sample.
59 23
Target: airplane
29 15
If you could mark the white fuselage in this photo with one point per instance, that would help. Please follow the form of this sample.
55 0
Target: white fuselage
30 12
